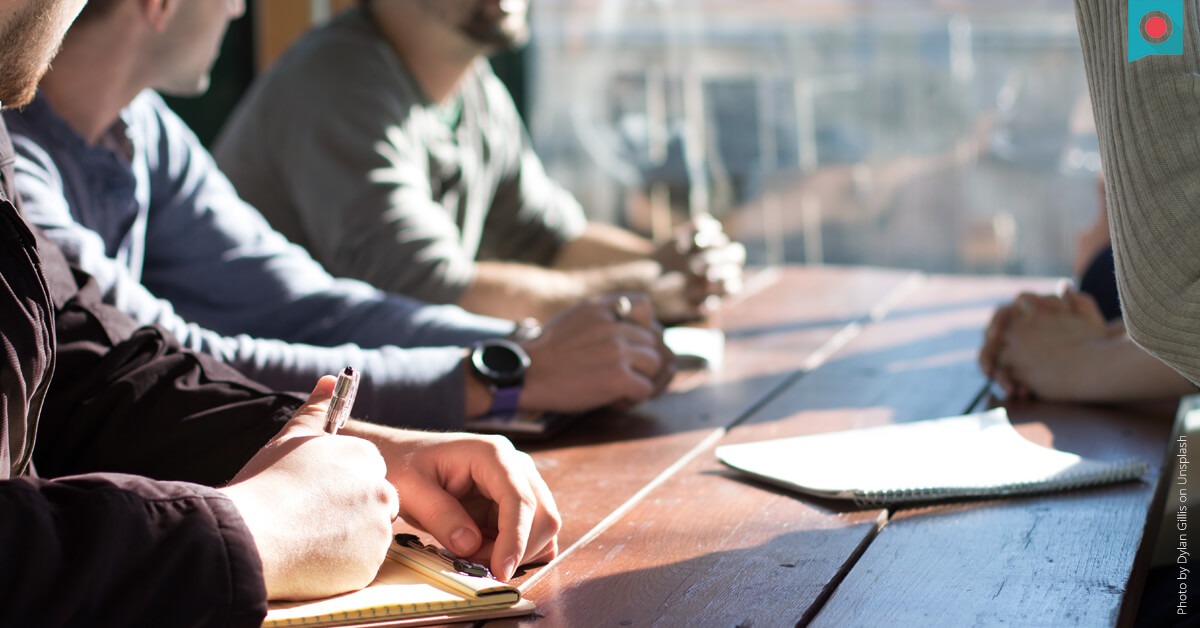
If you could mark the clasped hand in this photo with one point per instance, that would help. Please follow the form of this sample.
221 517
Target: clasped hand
701 265
586 358
1043 346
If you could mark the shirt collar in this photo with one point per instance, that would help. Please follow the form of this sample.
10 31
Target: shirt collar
116 139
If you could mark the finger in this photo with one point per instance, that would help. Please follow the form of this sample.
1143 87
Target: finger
1050 303
1005 380
393 499
718 282
1000 320
1063 287
429 506
706 232
732 285
993 338
642 350
731 254
641 309
311 414
664 376
542 544
514 521
1024 305
987 358
630 386
1028 303
698 289
724 273
1084 305
633 386
987 361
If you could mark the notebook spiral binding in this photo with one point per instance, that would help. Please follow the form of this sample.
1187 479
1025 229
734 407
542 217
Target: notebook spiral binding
1127 470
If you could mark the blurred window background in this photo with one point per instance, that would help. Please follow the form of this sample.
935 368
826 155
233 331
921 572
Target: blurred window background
943 135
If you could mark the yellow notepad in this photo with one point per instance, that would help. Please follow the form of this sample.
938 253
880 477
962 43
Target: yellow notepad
414 587
970 456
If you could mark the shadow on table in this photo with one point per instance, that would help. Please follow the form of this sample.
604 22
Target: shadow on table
774 583
924 378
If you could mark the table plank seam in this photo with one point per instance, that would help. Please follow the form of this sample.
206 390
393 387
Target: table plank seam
616 515
978 402
818 357
827 592
837 342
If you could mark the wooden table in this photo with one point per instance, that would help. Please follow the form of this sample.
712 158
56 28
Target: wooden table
657 532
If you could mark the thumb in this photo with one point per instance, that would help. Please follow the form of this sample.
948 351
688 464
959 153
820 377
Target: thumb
427 505
311 415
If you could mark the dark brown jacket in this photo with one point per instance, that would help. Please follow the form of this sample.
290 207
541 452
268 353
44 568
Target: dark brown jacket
119 525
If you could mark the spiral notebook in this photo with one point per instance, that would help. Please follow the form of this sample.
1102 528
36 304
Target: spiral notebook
415 587
975 455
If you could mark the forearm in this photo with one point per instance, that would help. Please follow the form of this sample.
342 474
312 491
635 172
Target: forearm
1150 144
514 291
602 244
418 388
290 297
1122 371
142 406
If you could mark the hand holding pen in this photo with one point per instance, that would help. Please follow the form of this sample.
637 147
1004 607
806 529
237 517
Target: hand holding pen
351 487
336 485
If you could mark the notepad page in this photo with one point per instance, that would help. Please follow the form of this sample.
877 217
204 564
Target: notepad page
972 455
378 600
398 591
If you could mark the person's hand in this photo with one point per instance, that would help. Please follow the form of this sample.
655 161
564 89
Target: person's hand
700 266
1045 346
994 337
592 356
993 340
319 507
477 495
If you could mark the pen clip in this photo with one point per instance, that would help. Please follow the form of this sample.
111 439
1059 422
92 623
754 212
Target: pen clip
461 565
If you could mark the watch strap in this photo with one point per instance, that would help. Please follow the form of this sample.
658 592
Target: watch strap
504 400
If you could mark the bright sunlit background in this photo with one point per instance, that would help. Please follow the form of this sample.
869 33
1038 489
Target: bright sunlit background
943 135
940 135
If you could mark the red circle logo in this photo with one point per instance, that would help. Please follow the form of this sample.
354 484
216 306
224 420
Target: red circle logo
1156 27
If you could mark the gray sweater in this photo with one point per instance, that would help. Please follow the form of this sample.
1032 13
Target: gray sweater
343 153
1147 118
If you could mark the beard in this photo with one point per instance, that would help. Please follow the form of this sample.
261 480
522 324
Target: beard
27 43
503 35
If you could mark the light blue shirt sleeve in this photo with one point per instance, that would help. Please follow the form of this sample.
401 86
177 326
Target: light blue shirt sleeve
219 262
218 278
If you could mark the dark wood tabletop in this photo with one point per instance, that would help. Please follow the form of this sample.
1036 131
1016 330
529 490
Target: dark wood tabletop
657 532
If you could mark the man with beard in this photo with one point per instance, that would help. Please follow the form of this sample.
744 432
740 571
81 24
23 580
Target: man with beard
385 145
168 489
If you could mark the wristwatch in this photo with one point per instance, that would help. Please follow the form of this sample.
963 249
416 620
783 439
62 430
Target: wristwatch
501 364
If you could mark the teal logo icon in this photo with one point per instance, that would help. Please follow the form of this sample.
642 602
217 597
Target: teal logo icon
1155 28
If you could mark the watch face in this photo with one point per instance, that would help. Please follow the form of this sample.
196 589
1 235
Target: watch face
501 361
